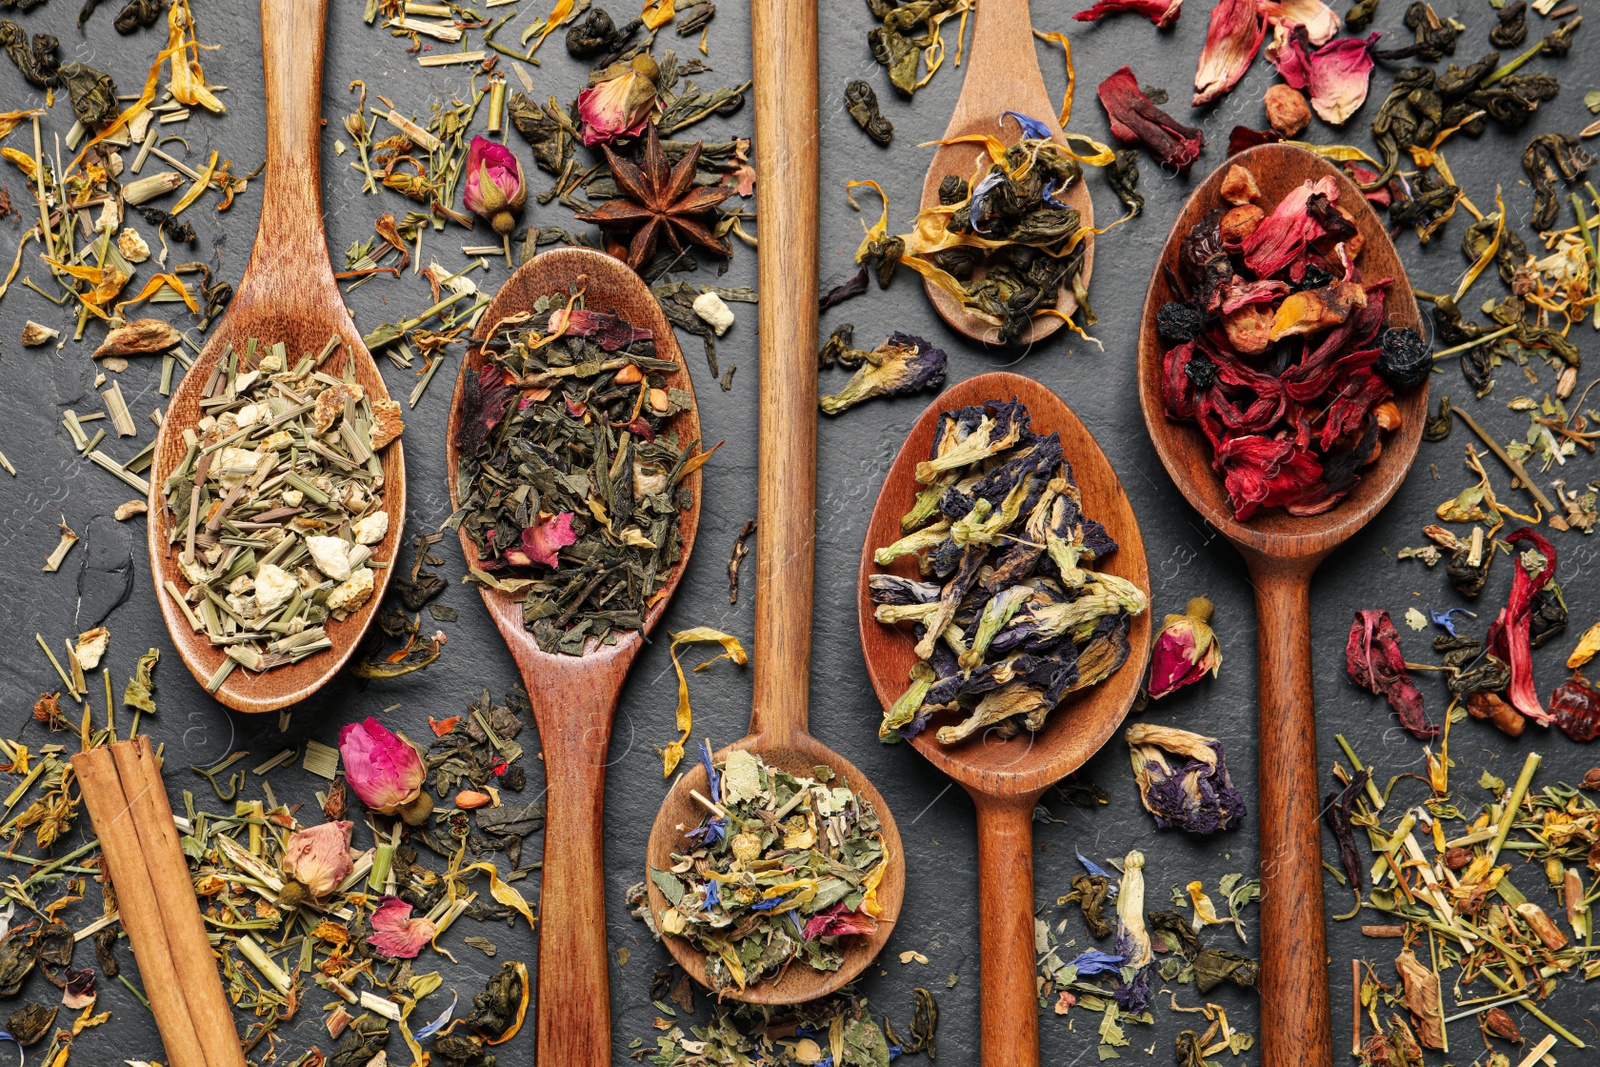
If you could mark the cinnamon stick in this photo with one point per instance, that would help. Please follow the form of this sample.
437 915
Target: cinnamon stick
137 905
174 889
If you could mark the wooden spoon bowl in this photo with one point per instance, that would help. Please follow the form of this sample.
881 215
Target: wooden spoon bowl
1002 75
574 698
1006 776
799 754
288 294
1281 552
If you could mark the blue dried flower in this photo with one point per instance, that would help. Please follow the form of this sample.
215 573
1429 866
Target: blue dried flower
1195 795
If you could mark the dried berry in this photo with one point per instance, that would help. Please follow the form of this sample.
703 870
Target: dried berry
1406 359
1575 707
1178 322
1201 371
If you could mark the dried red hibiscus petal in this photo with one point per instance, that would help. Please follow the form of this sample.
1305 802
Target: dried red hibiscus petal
1509 636
1161 12
1374 661
1233 37
1135 120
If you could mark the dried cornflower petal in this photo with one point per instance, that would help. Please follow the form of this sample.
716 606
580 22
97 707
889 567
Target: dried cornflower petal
1135 120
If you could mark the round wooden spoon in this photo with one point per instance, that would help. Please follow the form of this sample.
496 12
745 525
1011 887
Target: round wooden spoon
288 294
1002 75
784 36
1006 777
1281 551
574 698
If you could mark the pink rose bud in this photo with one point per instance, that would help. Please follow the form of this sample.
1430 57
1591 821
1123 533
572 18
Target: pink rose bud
385 771
1186 650
317 861
494 190
395 933
621 102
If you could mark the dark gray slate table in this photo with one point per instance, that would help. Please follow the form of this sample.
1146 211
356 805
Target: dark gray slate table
1186 559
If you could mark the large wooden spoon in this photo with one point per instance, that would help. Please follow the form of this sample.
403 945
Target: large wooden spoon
1281 552
1006 777
288 294
1002 75
574 698
784 35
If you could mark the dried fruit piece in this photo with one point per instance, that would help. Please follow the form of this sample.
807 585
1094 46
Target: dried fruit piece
1287 111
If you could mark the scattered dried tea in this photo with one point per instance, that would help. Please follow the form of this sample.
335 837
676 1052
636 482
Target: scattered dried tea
862 103
779 871
1015 621
571 481
276 509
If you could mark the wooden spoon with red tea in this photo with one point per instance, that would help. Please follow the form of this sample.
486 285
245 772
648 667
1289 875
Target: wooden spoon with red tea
1281 552
1002 75
574 698
288 294
784 37
1006 777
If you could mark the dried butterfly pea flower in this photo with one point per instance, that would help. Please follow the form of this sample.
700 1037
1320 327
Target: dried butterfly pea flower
1374 661
1134 119
1194 795
901 365
1162 13
862 103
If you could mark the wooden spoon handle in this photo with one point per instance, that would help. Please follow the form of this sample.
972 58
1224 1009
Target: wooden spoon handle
1010 1022
1002 54
291 240
1295 1020
574 1004
784 39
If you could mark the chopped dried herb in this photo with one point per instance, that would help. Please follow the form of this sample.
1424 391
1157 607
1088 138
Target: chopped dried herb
1019 622
1549 157
782 869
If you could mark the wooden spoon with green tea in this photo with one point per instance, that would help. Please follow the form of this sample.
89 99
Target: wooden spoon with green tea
1281 552
1006 777
288 294
574 698
1002 75
784 35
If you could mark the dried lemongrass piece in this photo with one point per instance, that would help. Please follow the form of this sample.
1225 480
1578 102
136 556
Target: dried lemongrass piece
68 539
117 408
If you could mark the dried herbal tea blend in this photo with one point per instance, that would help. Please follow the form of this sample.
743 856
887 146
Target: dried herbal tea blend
1279 350
277 506
1008 618
571 482
780 871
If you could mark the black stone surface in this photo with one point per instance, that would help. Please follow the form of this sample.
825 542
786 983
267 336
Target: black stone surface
1186 559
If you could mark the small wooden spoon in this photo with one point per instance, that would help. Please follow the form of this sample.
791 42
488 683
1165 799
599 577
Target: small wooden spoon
784 37
288 294
574 698
1002 75
1281 552
1006 778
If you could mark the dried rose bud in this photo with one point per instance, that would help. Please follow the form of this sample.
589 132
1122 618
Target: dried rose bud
1503 1025
494 190
1287 111
317 860
1457 858
385 771
621 101
1185 650
1240 222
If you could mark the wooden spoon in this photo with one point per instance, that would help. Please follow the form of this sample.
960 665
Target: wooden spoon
1002 75
1281 551
288 294
1006 777
784 35
574 698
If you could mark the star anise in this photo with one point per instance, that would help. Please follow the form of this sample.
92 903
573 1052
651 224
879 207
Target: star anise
659 200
